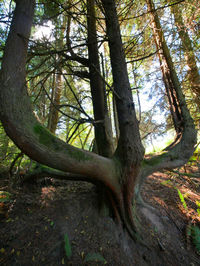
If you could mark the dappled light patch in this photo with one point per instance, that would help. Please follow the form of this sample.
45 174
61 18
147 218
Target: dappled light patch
178 198
47 194
159 201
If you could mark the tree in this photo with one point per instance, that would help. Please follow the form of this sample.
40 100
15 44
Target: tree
193 72
122 174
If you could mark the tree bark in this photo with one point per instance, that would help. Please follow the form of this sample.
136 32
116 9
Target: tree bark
18 119
102 126
129 152
170 78
193 72
57 90
182 148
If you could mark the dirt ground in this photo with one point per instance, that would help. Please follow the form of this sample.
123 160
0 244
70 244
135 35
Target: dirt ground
57 223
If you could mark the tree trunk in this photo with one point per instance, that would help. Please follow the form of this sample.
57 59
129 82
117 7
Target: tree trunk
57 90
182 147
193 72
102 126
130 151
170 77
19 121
54 115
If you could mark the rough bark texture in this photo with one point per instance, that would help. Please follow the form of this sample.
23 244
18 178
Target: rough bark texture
130 147
102 126
130 151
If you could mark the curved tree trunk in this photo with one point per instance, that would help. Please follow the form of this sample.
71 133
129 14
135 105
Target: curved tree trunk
124 173
182 147
16 110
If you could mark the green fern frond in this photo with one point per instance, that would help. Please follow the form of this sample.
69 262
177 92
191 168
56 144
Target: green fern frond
68 250
181 196
196 237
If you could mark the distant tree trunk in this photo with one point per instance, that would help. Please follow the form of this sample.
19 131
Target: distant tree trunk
116 123
54 105
51 107
170 77
102 126
57 89
193 72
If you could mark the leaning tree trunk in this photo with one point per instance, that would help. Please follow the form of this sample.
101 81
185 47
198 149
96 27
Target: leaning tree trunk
183 146
193 72
170 77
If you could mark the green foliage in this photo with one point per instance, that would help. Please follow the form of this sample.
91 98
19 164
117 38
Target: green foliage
68 250
96 257
5 196
8 150
51 8
198 207
195 234
182 198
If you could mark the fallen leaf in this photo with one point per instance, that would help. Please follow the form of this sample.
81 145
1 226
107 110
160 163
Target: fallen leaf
2 250
12 251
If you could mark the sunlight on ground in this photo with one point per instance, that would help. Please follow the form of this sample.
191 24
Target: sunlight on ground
47 194
176 191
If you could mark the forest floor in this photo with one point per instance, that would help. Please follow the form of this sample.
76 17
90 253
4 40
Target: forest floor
57 223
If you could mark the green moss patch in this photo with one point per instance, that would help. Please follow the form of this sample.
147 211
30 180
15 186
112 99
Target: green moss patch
78 155
48 139
154 160
45 137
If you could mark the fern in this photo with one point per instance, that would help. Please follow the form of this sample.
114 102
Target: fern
195 233
181 196
68 250
198 207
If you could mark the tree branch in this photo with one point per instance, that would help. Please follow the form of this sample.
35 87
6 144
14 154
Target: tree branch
22 126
